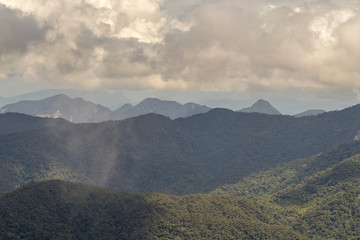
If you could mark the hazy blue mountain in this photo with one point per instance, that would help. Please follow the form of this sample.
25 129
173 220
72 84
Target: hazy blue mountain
78 110
123 109
169 109
111 100
311 112
232 104
261 106
61 106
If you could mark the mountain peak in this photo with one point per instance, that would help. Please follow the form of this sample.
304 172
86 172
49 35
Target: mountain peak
261 102
55 97
72 109
152 101
261 106
171 109
60 95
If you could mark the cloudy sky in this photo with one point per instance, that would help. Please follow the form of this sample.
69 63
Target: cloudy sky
309 49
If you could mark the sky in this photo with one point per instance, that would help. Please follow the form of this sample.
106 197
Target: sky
289 51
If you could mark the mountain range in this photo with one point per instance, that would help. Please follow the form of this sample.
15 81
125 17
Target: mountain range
311 112
265 177
60 106
170 109
78 110
110 100
154 153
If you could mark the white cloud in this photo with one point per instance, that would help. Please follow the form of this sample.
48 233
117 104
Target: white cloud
187 44
324 26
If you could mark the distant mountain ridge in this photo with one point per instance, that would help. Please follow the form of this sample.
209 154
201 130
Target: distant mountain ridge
261 106
170 109
111 100
78 110
311 112
186 155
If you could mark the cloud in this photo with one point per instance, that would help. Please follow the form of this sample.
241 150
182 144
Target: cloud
96 44
18 33
249 46
187 44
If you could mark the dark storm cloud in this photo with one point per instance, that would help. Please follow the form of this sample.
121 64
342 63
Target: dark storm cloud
18 31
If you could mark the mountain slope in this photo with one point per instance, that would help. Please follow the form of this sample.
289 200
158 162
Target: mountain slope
56 209
60 106
18 122
261 106
170 109
324 205
328 201
320 194
347 170
267 183
153 153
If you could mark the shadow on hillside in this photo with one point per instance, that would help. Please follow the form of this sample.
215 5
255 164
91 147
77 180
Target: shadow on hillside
61 210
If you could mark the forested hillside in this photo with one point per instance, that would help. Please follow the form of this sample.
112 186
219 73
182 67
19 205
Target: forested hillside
266 183
321 194
18 122
153 153
316 197
114 145
56 209
324 206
